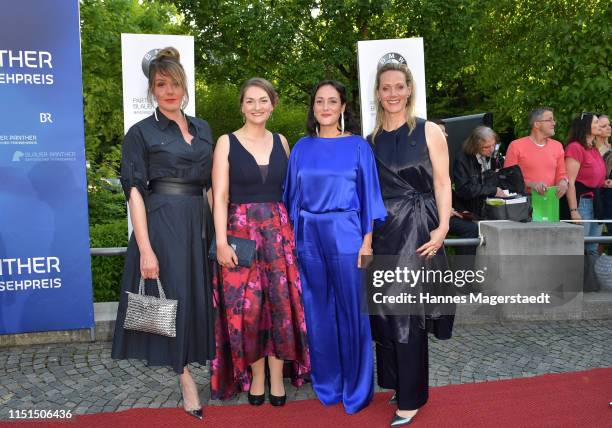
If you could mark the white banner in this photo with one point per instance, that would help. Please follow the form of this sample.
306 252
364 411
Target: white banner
373 54
136 52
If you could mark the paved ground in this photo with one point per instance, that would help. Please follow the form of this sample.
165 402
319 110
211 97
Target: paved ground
83 378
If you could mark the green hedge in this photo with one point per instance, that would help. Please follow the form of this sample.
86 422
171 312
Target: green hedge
219 105
107 271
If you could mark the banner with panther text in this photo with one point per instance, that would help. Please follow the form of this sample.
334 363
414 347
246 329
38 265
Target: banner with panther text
45 273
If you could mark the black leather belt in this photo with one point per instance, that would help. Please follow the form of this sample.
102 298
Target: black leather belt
179 186
176 187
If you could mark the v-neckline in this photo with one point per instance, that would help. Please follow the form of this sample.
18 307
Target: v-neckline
255 160
185 141
251 154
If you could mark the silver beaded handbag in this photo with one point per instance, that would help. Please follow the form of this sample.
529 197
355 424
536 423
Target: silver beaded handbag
149 313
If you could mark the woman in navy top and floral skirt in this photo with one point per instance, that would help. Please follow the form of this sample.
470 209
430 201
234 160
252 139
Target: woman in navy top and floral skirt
260 310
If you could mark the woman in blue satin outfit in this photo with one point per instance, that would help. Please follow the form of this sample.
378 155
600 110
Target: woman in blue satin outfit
333 197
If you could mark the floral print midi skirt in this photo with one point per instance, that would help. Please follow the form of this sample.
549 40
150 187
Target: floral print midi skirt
259 308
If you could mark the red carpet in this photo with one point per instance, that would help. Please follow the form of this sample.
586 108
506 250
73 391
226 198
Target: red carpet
578 399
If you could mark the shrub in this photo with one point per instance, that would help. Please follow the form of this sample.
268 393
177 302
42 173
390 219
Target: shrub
219 105
107 271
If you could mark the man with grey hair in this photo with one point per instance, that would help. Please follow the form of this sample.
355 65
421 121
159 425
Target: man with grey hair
541 159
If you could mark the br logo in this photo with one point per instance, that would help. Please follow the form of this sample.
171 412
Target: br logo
146 60
17 156
392 57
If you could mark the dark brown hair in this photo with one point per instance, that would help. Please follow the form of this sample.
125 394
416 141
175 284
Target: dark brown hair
580 129
261 83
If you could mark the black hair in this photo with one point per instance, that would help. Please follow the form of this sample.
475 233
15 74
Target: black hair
350 123
580 129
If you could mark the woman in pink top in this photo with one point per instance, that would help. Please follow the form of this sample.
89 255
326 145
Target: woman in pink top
586 171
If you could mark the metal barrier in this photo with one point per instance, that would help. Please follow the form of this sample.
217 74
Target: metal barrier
453 242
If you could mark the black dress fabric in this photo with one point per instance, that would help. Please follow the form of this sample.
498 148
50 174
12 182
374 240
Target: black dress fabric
248 184
406 179
179 231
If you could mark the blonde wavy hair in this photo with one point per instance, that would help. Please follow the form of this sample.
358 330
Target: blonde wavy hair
168 62
410 105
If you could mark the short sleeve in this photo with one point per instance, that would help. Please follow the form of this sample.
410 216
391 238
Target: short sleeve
511 155
134 163
560 171
575 151
371 203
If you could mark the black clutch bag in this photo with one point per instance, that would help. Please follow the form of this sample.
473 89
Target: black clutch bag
244 248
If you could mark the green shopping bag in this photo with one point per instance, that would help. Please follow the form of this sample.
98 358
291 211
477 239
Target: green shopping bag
545 207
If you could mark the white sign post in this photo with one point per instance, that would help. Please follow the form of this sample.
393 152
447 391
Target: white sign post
374 53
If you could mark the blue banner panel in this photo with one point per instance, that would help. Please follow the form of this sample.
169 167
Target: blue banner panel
45 273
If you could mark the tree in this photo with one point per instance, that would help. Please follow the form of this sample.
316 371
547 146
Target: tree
292 43
504 56
102 22
533 53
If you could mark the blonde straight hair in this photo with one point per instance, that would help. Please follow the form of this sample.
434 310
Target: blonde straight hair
410 105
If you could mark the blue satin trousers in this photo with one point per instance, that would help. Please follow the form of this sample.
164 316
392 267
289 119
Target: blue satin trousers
338 330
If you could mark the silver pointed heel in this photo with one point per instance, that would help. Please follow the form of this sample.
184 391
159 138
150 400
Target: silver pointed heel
399 421
196 413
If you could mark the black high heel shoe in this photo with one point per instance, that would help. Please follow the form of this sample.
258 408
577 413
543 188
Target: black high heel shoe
196 413
398 420
256 400
276 400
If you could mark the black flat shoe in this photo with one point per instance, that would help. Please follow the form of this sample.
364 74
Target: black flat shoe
399 421
278 401
393 399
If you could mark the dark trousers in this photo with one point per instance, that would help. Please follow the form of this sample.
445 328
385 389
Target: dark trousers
465 257
404 367
460 228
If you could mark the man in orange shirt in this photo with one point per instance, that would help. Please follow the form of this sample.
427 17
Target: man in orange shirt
541 159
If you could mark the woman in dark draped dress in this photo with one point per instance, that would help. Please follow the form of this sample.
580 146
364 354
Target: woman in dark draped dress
412 161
